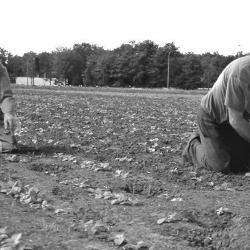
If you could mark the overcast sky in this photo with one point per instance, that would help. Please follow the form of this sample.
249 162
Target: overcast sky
193 25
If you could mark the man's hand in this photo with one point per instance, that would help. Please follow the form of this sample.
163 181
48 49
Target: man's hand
10 122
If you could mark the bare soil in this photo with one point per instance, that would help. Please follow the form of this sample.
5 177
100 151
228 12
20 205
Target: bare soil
105 173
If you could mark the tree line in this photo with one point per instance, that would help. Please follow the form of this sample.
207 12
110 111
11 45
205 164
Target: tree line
143 64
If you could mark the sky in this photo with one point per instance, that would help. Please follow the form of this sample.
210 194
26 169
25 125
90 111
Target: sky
197 26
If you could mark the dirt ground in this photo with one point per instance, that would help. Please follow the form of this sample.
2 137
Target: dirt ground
105 174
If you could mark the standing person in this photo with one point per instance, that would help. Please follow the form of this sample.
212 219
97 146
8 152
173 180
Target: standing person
7 113
223 139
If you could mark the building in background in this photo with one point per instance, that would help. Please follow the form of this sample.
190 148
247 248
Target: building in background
38 81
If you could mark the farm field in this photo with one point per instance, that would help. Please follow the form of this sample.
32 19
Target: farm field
106 174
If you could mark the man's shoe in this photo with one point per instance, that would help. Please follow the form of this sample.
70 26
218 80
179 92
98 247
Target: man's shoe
186 157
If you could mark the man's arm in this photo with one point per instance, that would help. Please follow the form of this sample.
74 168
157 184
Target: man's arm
239 123
7 101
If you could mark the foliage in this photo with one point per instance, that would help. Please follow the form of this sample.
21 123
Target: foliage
143 64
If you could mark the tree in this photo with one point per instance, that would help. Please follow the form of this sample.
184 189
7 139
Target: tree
61 64
171 52
122 72
29 63
142 62
45 62
191 72
67 66
15 66
212 65
83 52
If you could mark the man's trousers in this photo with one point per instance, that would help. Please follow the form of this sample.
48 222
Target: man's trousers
219 147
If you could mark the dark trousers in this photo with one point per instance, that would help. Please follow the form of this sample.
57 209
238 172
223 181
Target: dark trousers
7 139
220 147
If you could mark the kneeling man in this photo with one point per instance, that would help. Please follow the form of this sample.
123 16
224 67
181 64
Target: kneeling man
223 140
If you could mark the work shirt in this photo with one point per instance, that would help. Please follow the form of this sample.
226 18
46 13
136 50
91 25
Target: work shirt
232 89
7 102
